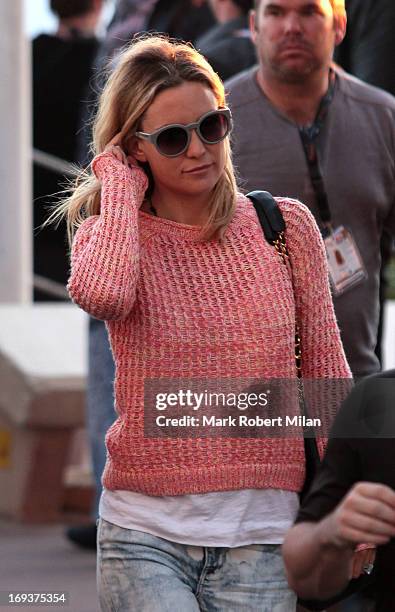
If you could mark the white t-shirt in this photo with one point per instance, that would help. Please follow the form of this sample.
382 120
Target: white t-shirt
224 519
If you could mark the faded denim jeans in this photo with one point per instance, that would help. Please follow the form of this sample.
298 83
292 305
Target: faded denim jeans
139 572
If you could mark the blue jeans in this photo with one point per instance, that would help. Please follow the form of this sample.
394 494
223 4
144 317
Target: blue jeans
100 400
139 572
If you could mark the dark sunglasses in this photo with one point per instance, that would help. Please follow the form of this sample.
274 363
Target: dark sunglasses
172 140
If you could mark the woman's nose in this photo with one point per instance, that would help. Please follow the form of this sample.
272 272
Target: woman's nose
196 146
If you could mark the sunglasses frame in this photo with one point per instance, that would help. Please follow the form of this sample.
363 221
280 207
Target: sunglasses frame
153 137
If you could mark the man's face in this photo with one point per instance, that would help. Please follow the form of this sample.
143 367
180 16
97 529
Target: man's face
214 5
295 38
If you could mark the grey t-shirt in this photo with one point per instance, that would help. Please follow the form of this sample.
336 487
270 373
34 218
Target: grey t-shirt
356 151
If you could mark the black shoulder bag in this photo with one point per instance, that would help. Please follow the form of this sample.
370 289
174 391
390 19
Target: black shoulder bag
273 226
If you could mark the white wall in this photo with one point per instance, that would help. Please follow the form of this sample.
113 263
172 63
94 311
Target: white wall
37 17
15 165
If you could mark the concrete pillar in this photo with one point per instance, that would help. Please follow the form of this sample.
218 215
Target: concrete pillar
15 155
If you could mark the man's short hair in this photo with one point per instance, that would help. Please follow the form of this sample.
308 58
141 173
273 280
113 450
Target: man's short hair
70 8
244 5
337 5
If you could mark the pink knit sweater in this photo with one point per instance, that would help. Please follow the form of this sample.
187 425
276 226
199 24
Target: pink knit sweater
179 307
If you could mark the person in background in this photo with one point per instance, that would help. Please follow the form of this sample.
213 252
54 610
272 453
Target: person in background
298 128
352 500
62 66
228 45
368 52
368 49
181 19
100 415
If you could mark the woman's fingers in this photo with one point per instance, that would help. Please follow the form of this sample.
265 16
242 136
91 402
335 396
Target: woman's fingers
132 161
114 147
116 140
117 152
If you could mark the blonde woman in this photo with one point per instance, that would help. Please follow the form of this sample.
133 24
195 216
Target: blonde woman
174 259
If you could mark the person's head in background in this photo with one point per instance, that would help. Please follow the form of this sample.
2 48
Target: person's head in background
77 17
295 39
227 10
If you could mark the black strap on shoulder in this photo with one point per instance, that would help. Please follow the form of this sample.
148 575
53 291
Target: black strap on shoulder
269 214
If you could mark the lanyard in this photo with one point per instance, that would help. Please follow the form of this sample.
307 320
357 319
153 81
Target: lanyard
308 135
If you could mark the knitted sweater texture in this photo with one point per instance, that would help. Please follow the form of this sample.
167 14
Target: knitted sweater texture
177 307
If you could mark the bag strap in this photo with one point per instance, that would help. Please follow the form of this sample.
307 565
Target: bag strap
273 226
269 215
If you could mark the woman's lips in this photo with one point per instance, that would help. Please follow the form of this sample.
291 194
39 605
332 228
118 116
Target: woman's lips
198 169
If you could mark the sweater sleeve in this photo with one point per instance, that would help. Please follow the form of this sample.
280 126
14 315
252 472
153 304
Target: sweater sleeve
105 251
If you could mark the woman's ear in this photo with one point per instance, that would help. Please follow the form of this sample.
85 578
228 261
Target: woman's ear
136 149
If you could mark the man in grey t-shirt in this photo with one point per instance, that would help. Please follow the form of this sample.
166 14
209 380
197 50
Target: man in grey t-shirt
295 102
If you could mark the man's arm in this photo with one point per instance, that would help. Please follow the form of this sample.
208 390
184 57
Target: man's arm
318 556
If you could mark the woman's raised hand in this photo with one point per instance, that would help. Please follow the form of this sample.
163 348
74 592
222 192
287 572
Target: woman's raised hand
117 151
114 159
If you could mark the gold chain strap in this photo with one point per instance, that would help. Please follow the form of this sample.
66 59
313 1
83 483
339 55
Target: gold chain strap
280 245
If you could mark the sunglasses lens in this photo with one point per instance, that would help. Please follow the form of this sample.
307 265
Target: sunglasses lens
172 141
214 127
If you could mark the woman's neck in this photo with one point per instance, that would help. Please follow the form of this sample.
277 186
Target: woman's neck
188 210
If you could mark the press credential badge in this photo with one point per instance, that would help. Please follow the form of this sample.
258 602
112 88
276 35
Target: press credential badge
346 267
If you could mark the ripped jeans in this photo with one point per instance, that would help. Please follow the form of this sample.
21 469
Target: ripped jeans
139 572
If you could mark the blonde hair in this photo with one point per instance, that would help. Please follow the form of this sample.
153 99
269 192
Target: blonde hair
146 67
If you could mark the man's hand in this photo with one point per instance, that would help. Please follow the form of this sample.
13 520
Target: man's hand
366 514
320 558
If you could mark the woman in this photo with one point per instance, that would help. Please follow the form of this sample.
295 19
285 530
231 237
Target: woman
174 259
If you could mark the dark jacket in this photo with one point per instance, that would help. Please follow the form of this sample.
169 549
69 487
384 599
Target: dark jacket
368 49
228 47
